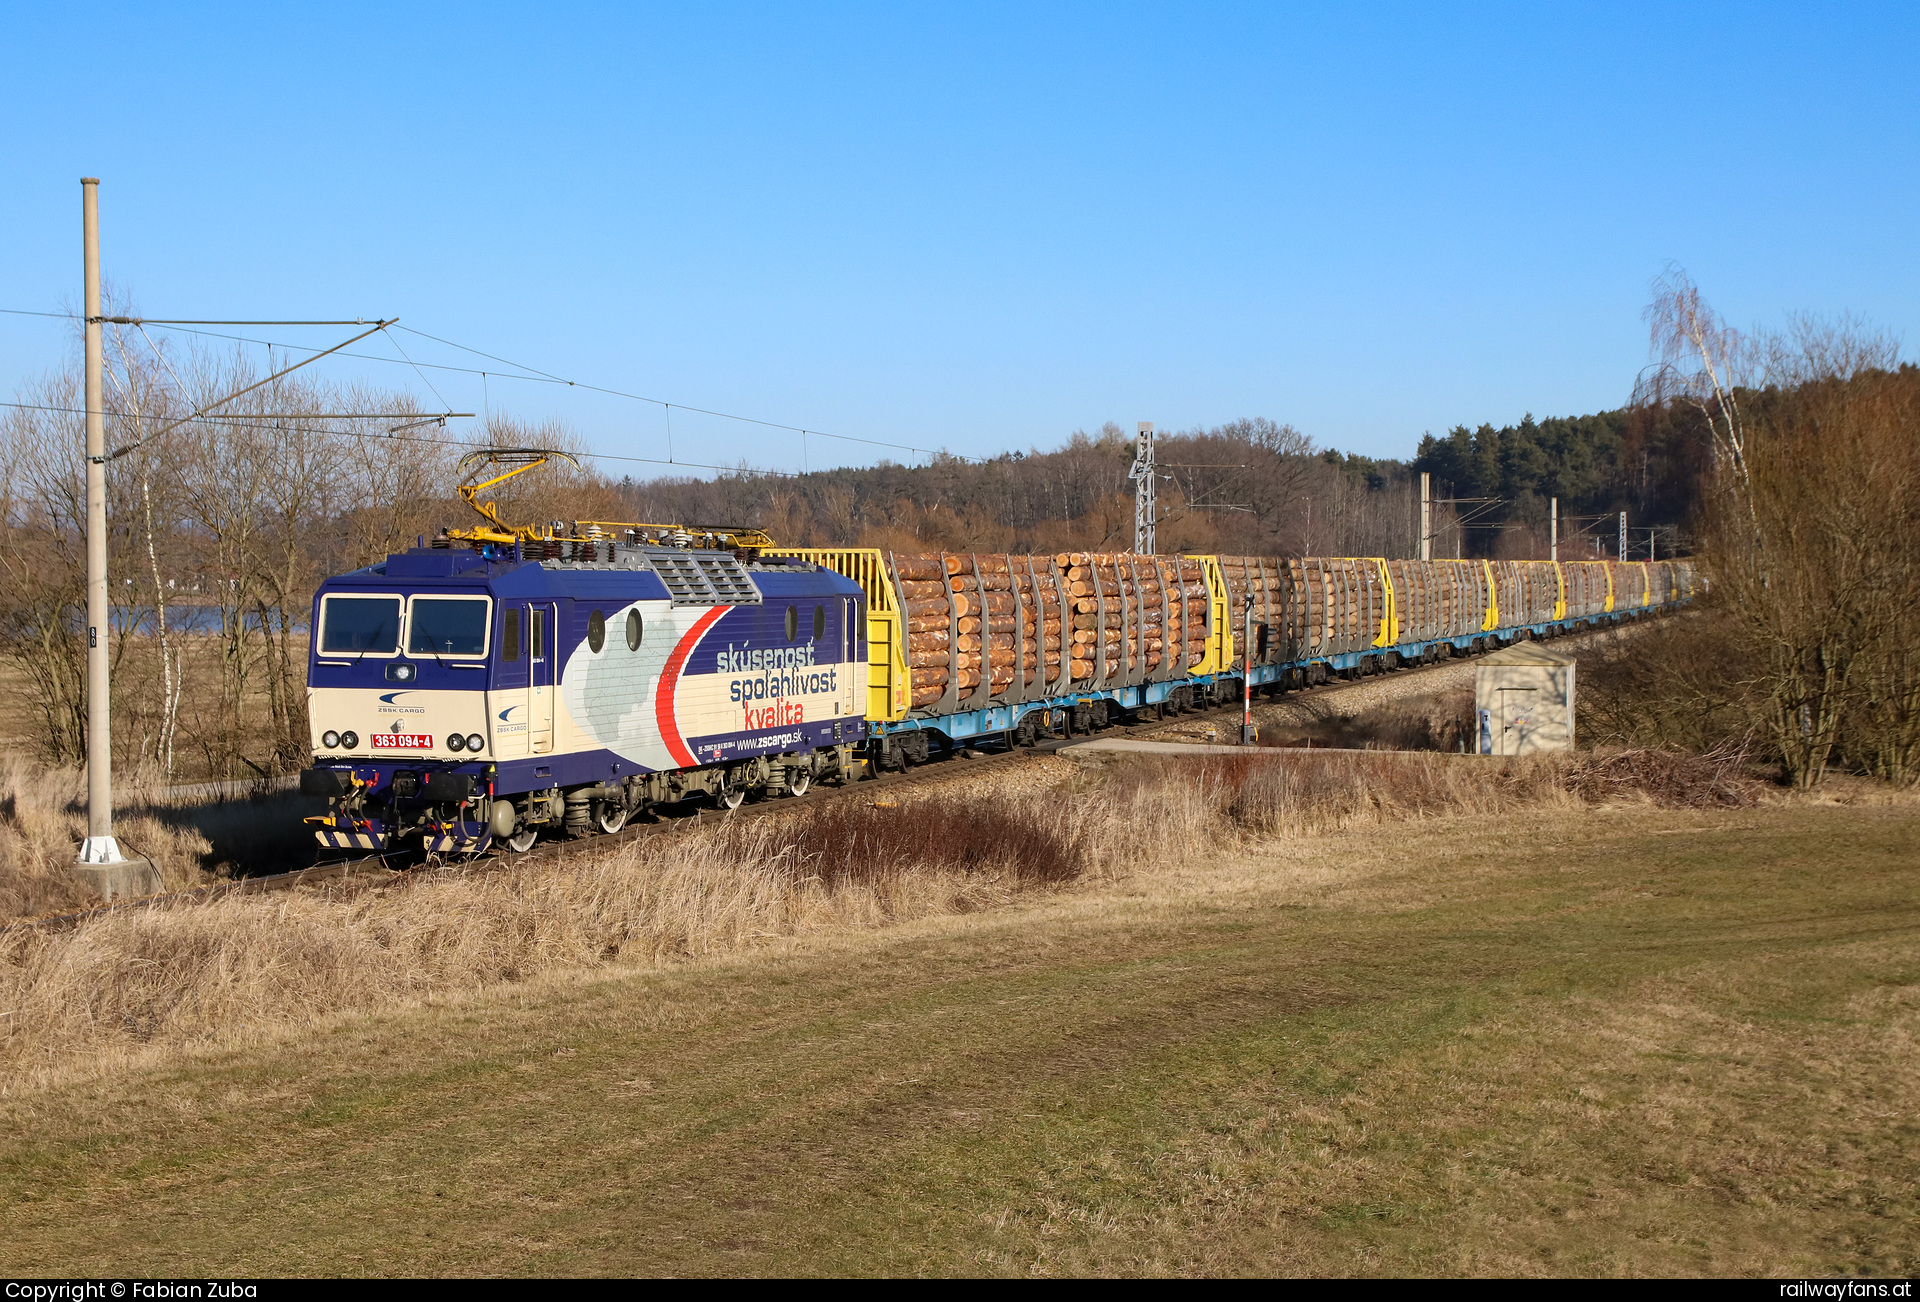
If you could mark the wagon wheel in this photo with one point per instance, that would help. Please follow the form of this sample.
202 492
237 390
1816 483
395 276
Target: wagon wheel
729 797
611 817
798 782
522 841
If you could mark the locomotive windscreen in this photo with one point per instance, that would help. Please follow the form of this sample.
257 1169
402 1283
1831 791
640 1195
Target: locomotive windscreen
448 626
349 624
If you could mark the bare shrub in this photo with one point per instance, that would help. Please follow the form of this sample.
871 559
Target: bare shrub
1671 779
1437 721
1695 686
1320 793
1325 793
845 843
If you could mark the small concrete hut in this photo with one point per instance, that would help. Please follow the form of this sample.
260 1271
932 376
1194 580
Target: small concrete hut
1523 698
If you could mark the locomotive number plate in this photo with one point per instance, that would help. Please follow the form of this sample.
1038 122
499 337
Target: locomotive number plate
401 741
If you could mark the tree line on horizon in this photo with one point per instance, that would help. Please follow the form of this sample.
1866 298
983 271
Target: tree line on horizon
1247 487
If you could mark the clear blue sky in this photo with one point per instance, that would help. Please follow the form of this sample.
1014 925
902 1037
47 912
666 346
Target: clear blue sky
972 227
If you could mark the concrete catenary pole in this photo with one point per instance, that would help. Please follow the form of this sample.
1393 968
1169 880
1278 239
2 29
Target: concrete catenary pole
100 864
1553 529
1623 537
99 846
1426 516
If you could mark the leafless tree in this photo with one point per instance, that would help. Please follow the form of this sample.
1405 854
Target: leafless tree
1813 440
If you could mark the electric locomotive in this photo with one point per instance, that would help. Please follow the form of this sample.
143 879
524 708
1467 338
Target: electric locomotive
485 689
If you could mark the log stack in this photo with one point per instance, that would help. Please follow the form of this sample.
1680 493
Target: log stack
1127 609
960 614
1071 620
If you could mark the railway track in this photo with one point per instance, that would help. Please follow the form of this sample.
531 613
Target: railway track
375 872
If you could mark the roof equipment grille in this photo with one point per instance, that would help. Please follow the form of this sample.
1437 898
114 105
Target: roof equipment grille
703 578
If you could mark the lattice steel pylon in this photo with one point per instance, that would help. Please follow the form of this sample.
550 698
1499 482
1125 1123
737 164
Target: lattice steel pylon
1143 475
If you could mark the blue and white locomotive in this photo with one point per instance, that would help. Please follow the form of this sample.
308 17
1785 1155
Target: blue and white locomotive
476 692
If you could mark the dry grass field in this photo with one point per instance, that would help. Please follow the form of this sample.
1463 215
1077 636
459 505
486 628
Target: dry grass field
1619 1039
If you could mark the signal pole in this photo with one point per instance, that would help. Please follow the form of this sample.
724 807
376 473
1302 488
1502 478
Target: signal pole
1623 536
1553 529
100 864
1142 473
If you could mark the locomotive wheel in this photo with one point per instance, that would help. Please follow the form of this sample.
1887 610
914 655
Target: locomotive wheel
730 797
798 784
610 817
522 841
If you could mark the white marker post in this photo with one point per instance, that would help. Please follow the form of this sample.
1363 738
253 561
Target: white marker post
1249 735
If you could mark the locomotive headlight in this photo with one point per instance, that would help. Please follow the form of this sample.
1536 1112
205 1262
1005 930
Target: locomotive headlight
330 740
456 742
475 741
351 740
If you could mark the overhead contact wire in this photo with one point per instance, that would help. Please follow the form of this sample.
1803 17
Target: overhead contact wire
533 375
260 423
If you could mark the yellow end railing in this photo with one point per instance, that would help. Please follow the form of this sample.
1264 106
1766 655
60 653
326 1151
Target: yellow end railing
1219 655
887 681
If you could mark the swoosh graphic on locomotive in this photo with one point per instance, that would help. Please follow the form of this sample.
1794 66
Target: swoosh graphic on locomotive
670 679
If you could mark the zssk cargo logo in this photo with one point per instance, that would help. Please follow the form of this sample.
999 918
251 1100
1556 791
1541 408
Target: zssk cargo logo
387 704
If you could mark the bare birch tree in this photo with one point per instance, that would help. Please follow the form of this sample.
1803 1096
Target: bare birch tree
1808 450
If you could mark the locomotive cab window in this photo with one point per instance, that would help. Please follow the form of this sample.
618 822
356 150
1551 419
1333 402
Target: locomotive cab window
359 625
447 626
510 636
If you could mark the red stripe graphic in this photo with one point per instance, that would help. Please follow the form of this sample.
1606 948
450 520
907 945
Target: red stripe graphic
670 684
